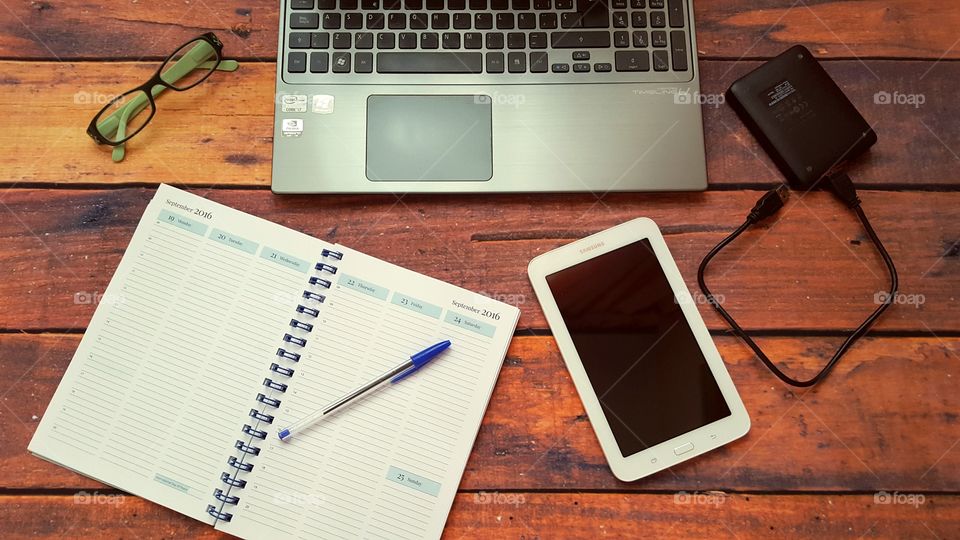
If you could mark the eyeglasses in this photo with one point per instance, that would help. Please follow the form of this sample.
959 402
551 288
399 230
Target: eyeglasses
127 114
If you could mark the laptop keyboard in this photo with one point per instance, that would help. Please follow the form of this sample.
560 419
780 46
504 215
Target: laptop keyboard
395 41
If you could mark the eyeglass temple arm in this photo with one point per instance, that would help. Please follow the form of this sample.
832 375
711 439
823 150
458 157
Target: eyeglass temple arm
189 62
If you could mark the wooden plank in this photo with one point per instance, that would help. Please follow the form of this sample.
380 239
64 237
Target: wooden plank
221 132
530 516
886 419
814 270
726 28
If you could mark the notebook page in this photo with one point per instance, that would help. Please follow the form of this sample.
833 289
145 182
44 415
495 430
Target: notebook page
175 351
389 465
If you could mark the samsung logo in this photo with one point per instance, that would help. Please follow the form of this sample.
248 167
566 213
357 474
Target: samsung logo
591 247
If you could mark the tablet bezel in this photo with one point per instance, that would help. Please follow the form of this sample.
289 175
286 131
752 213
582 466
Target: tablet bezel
660 456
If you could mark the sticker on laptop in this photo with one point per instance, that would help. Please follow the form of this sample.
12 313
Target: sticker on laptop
322 104
293 103
291 127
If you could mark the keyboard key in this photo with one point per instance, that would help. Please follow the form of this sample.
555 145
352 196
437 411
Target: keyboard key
440 21
370 4
505 21
494 62
326 4
494 40
660 62
418 21
478 5
353 21
658 19
678 47
451 40
319 40
319 62
640 39
620 19
461 21
301 4
659 38
579 40
538 62
375 21
456 5
593 13
541 4
397 21
434 5
392 5
429 40
526 21
341 40
349 4
581 55
299 40
363 62
675 13
580 67
407 40
538 40
305 21
331 21
386 40
413 4
483 21
638 19
517 62
621 40
429 62
560 68
548 21
569 20
602 67
473 40
516 40
619 4
341 62
632 60
638 4
563 4
656 4
297 62
363 40
520 5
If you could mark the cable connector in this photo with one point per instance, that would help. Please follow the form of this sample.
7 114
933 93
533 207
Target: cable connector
842 187
769 204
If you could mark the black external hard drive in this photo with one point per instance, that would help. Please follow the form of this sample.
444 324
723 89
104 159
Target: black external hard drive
800 116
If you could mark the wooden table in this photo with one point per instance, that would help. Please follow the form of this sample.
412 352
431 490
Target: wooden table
873 452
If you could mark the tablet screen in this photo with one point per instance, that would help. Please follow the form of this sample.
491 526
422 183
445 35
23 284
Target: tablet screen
639 353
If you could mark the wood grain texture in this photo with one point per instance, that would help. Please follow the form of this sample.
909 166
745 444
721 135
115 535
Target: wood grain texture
58 29
814 270
885 419
532 516
226 125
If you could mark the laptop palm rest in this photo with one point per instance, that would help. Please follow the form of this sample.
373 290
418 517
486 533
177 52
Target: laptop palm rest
429 138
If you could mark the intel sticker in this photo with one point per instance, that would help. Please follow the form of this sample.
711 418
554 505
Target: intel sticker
293 103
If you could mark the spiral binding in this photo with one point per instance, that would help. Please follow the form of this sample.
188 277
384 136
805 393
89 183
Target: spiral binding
240 464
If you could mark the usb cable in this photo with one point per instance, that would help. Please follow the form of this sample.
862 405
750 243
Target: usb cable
769 204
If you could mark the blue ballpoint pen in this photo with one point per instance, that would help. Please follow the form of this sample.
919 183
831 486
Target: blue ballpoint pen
395 375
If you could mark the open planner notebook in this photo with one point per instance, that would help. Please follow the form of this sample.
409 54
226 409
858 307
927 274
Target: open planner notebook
219 328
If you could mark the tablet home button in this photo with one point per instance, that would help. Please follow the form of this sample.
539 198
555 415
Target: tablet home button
683 449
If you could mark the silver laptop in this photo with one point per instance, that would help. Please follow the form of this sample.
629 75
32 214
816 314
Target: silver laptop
487 96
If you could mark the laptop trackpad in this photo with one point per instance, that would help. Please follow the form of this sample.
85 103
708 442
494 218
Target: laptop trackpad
429 138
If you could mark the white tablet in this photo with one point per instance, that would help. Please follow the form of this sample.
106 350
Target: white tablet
648 373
